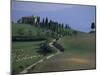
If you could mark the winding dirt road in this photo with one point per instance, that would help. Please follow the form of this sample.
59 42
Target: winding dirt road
43 59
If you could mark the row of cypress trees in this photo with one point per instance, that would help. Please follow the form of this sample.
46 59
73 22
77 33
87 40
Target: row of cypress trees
53 26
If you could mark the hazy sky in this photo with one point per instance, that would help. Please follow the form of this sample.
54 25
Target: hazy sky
77 16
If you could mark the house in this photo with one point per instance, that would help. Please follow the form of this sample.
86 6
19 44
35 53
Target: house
30 20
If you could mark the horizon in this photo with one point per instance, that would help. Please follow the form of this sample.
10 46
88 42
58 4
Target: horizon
79 17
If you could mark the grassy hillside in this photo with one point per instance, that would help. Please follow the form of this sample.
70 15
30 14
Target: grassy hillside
24 54
25 28
79 54
79 43
79 50
31 30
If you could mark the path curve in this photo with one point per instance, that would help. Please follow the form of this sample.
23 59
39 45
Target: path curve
41 60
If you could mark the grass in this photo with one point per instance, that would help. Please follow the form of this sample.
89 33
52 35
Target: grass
79 51
79 54
25 53
79 43
26 28
21 50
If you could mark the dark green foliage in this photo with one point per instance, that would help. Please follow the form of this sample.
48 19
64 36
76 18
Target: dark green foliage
38 20
42 24
46 22
75 32
21 67
13 72
58 46
53 28
19 21
45 49
67 26
92 32
93 25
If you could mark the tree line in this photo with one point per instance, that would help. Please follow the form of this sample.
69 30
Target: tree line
54 28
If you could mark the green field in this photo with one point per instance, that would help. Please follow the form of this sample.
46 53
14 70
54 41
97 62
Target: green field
79 50
25 28
24 54
79 54
79 43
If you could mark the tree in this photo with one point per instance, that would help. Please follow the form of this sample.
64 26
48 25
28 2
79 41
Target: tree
46 22
62 31
75 32
50 24
19 21
66 26
43 23
93 25
59 26
38 20
45 48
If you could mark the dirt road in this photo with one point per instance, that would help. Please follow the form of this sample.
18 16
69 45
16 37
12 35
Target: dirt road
43 59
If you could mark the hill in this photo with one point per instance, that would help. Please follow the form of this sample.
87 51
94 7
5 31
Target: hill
25 29
79 54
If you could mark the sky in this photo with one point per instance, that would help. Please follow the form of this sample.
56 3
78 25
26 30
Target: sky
79 17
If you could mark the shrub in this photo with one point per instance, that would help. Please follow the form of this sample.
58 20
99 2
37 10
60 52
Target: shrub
75 32
45 49
58 46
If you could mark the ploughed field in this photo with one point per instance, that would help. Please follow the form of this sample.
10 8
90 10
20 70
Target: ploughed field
79 54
